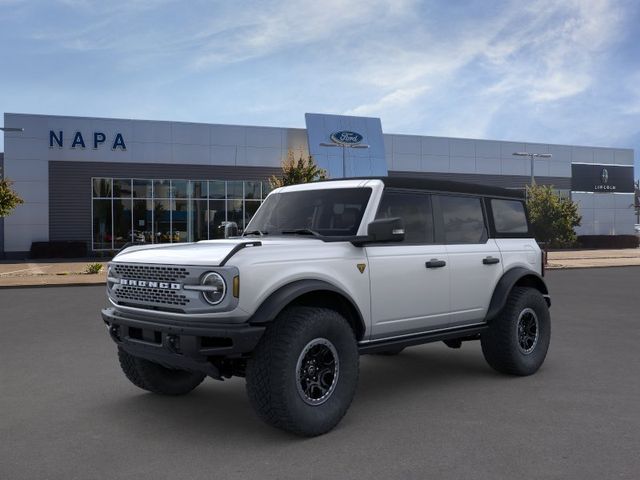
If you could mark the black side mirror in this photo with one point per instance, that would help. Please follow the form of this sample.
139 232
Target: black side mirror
386 230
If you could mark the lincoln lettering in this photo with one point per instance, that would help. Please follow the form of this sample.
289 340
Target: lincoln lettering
56 138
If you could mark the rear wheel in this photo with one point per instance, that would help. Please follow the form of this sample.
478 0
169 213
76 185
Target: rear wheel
303 374
518 339
155 378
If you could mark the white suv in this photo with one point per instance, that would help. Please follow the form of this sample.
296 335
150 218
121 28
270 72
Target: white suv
325 272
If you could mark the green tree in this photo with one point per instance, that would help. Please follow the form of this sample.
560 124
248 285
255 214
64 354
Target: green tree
553 217
9 199
298 171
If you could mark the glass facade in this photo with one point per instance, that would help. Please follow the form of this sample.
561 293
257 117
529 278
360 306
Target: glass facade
169 211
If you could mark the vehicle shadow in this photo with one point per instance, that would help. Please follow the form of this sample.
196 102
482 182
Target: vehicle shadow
221 410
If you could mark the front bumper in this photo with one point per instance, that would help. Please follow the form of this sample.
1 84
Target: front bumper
181 345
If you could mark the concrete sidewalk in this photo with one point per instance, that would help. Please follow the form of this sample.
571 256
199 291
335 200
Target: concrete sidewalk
59 272
50 272
593 258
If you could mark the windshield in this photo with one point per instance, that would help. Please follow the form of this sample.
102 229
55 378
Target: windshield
328 212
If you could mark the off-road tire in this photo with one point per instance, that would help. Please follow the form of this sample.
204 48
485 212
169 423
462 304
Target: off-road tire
155 378
272 380
500 343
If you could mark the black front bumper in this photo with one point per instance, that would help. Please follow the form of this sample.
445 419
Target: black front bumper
188 346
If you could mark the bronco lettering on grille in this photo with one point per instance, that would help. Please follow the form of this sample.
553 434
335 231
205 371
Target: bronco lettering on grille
150 284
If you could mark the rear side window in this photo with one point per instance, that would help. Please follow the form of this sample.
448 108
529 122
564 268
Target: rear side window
415 211
463 219
509 216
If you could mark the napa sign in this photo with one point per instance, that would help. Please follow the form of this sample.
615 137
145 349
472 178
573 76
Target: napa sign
77 140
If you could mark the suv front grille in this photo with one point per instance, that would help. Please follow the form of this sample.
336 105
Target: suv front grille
153 273
128 293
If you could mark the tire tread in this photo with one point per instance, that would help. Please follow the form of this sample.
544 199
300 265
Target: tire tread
498 344
265 384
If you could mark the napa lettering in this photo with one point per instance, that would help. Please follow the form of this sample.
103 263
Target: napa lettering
57 138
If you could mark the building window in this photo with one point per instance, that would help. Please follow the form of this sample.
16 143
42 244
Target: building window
169 211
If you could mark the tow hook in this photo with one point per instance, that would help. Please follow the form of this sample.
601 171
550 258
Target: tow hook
173 343
114 331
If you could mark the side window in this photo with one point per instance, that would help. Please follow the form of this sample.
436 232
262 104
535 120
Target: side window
415 211
509 216
463 219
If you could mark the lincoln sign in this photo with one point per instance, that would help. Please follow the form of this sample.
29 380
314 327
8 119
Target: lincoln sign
601 178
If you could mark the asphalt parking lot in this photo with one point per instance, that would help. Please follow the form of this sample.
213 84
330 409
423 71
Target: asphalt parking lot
66 411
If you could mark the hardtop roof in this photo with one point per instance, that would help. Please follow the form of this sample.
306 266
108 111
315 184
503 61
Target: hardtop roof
447 186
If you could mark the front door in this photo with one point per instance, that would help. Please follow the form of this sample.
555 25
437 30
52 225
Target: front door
409 280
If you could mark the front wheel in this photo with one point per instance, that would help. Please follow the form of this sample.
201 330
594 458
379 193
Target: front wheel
517 340
304 372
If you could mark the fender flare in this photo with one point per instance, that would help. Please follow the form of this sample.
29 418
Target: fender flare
283 296
506 284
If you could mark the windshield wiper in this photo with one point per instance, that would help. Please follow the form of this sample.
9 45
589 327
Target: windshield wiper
302 231
255 232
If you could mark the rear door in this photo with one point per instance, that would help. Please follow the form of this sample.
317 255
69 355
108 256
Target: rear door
474 258
409 280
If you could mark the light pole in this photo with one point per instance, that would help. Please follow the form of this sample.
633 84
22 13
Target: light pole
531 157
344 148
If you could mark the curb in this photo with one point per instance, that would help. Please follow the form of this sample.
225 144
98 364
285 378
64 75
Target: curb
577 267
53 285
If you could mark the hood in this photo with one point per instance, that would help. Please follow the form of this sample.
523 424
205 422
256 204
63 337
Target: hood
209 252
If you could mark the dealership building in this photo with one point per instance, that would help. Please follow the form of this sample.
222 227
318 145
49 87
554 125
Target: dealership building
105 181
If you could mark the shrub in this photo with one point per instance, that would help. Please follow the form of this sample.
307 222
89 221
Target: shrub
553 217
94 268
9 199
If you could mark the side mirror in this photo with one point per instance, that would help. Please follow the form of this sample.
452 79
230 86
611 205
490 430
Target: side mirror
386 230
230 229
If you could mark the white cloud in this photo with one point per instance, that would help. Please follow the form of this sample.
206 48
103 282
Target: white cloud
398 98
544 52
551 53
253 31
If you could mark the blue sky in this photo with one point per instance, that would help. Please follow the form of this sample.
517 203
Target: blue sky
550 71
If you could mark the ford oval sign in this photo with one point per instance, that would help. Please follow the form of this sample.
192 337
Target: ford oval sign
345 137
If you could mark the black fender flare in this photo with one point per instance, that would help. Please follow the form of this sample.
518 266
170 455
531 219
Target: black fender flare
283 296
506 283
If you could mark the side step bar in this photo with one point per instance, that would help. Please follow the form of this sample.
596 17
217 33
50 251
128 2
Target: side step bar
420 338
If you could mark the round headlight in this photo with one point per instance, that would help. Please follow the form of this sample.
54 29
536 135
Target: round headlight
215 288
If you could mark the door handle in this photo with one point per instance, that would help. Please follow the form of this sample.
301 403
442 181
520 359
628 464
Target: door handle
435 263
490 260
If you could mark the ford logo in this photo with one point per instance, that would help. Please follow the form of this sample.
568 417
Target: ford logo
345 137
